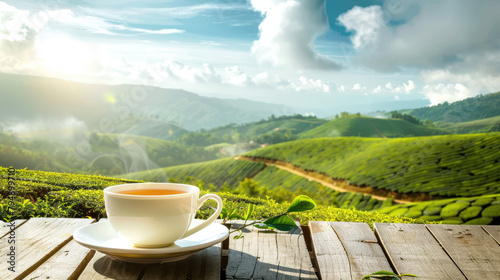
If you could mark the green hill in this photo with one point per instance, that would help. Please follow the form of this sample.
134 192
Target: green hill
450 165
370 127
479 126
294 124
470 109
102 153
215 172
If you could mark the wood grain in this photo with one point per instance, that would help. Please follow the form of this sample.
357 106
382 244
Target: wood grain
36 241
363 251
493 231
205 264
268 255
67 263
412 249
329 252
474 251
101 266
5 228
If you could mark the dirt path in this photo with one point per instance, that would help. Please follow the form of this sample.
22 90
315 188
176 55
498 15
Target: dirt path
341 185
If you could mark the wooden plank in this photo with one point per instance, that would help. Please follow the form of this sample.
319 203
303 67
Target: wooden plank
205 264
363 251
293 256
6 227
473 250
243 255
412 249
101 266
331 256
494 231
36 241
67 263
268 255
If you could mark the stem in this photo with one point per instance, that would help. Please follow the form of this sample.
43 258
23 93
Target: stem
253 223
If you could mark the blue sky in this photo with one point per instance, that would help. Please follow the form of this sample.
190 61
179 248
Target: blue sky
308 54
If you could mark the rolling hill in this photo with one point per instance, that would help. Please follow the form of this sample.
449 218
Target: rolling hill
478 126
450 165
470 109
102 153
370 127
216 172
295 124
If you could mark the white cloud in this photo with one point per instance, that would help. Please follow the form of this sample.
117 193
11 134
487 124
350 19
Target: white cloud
100 25
377 89
342 88
443 85
194 10
432 36
365 22
388 85
439 93
405 88
358 86
18 36
288 31
308 84
237 77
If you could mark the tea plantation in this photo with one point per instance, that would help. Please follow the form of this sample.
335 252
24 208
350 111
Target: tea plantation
50 194
448 165
481 210
216 172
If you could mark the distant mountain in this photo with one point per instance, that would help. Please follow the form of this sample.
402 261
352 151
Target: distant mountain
106 107
470 109
370 127
295 124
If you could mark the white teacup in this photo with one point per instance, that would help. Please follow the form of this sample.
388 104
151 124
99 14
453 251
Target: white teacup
155 220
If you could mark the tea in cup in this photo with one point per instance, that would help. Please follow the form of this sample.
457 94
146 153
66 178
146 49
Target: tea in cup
156 214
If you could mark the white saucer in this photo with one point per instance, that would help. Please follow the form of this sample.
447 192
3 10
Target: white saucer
101 237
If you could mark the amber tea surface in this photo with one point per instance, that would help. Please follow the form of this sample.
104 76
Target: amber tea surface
152 192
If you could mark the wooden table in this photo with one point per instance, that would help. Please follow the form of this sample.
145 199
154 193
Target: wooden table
45 250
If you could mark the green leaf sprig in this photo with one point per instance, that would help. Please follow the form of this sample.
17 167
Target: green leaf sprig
280 222
386 275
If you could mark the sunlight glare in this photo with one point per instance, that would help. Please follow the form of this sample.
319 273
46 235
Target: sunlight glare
66 56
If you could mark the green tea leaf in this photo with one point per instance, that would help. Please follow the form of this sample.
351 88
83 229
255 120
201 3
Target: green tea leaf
284 223
223 213
382 272
301 203
409 275
250 209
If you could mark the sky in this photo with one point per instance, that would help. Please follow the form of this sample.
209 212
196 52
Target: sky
307 54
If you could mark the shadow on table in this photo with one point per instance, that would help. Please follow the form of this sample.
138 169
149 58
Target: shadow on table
113 269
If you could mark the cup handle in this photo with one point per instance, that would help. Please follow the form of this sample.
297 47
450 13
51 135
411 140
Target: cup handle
212 218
